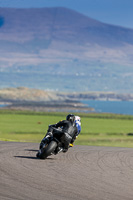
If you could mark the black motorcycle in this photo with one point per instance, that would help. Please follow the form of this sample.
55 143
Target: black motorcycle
51 144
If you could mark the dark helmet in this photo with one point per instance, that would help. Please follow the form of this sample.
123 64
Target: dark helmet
70 118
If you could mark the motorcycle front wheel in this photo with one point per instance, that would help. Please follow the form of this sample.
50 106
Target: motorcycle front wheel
48 150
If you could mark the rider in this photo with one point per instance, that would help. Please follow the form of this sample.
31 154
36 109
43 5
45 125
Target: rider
70 128
78 125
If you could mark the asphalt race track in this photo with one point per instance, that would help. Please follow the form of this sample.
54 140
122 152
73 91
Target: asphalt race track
84 172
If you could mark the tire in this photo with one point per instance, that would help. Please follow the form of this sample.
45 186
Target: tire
48 150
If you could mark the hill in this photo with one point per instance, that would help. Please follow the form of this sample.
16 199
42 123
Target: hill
39 100
52 48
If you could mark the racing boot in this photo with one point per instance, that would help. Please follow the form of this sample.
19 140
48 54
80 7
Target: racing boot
65 149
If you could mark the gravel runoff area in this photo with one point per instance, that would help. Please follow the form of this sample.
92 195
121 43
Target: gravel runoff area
83 173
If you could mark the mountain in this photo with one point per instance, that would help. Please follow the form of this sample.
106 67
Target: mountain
60 49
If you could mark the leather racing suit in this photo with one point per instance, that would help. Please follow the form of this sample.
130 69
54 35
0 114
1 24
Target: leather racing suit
68 130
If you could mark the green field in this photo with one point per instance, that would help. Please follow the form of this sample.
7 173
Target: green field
97 129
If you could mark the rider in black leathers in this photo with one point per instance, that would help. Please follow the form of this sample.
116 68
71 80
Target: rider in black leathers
67 128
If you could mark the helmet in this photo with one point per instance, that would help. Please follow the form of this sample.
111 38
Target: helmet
78 120
70 118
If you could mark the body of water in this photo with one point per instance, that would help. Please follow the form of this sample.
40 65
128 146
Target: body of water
118 107
2 105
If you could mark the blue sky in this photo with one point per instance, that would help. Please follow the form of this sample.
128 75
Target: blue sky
117 12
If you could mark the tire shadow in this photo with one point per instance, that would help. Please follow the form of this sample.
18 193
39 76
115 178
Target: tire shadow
30 150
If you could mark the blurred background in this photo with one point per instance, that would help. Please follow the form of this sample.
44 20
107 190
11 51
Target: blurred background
67 51
67 56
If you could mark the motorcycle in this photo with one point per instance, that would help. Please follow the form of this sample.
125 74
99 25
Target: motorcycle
51 145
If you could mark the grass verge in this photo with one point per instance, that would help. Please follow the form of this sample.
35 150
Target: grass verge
97 129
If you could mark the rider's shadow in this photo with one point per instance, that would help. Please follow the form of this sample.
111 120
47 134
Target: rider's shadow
28 157
33 157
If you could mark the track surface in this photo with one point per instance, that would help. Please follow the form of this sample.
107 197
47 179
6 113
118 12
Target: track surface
93 173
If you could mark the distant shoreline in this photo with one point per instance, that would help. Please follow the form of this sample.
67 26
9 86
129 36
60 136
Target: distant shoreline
100 96
37 95
22 98
51 106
